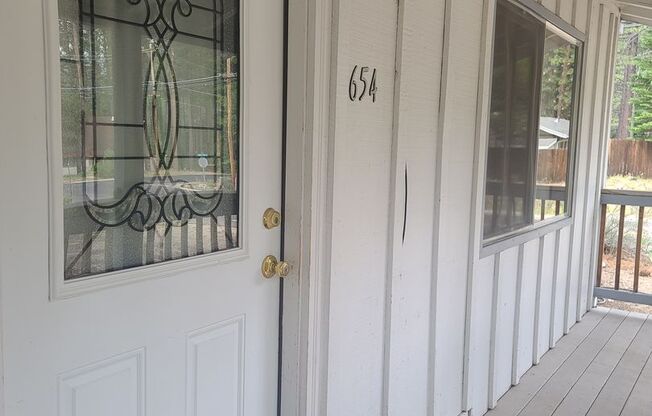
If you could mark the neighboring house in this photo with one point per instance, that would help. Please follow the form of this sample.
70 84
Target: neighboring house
554 133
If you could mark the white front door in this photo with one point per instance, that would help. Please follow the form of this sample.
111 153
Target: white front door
140 147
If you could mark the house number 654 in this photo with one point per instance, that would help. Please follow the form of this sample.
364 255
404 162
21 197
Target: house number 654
360 86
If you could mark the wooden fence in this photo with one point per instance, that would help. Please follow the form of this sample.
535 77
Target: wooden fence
626 157
630 157
551 165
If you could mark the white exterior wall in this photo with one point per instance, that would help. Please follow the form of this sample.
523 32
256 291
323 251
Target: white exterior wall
419 321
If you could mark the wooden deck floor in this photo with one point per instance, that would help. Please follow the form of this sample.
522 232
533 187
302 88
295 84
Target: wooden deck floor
602 367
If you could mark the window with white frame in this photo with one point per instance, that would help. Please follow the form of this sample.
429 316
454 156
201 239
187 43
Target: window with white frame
531 122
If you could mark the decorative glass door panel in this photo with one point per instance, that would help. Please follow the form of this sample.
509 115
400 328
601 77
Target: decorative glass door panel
150 118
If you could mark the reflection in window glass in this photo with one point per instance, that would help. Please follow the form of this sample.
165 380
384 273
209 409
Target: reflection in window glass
530 123
516 66
555 126
150 99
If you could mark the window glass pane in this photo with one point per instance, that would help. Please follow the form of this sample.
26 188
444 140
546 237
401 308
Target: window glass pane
518 45
555 126
150 107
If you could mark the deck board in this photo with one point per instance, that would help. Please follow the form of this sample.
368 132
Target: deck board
602 367
640 401
553 392
519 396
615 392
579 399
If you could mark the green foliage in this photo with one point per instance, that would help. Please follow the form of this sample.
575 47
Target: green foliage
632 98
623 59
200 101
104 169
642 86
557 81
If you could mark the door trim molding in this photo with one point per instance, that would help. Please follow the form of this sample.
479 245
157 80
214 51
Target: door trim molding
308 206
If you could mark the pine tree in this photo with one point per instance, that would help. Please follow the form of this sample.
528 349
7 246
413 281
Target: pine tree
557 82
642 87
628 47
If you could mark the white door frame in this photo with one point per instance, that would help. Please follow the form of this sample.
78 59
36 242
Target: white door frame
311 41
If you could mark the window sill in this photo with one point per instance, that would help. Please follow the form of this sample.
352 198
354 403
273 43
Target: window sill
516 238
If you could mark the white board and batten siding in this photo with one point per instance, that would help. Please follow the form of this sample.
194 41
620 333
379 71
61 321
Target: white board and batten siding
416 105
554 271
421 319
383 207
362 153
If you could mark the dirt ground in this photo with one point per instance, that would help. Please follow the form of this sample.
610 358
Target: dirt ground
626 282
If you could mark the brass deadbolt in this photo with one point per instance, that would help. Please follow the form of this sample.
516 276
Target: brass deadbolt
272 267
271 218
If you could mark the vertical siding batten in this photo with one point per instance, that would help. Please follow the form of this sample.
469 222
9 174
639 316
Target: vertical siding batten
537 304
477 207
434 287
550 5
459 99
527 307
598 11
482 332
573 20
582 21
395 211
492 338
592 156
583 143
416 101
581 16
562 280
592 180
517 316
553 297
566 10
601 168
504 335
545 297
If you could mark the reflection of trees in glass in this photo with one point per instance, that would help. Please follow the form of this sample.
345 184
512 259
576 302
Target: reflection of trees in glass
70 93
556 112
632 100
76 72
557 79
202 102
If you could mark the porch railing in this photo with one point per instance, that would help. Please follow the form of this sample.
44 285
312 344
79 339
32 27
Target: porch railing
623 238
88 249
550 194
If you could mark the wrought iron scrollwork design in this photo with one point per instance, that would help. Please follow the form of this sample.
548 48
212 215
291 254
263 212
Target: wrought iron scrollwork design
164 198
146 204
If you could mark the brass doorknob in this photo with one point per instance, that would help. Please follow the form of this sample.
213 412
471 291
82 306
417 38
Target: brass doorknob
271 218
272 267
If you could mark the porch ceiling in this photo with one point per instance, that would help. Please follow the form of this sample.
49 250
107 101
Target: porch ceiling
636 10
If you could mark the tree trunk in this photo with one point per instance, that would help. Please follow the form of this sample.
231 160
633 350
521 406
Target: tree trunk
625 110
